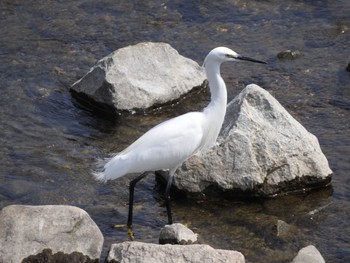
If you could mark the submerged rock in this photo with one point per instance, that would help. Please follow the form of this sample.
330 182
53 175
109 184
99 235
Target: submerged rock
285 230
308 254
177 234
145 252
138 77
262 151
25 231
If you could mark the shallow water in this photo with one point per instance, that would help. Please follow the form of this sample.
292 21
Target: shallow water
49 144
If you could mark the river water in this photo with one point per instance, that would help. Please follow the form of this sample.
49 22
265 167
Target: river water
49 144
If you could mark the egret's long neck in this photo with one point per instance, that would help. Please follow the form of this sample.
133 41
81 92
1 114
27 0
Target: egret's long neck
216 110
217 90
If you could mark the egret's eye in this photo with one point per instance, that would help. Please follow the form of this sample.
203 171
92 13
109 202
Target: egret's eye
229 56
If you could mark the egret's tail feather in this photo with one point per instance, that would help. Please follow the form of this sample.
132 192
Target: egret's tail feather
100 176
110 168
99 173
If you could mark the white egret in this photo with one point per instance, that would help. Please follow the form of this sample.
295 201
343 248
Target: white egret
169 144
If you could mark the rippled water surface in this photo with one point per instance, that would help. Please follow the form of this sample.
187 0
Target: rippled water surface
49 144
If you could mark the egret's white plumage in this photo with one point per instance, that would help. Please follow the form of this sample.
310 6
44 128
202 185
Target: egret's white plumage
169 144
165 146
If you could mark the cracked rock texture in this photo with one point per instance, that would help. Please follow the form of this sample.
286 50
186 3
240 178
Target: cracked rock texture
138 252
28 230
261 151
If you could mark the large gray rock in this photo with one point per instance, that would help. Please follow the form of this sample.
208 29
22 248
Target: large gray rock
262 150
139 76
138 252
308 254
28 230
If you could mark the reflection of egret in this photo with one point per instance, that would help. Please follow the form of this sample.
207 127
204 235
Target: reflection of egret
169 144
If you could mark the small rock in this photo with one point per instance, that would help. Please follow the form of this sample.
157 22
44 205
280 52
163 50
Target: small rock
27 230
308 254
138 77
282 228
285 230
177 234
144 252
289 54
261 151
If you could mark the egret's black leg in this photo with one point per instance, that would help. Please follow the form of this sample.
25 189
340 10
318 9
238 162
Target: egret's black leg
131 204
131 200
167 199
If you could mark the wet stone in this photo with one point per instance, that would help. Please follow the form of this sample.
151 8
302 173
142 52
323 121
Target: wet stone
289 54
285 230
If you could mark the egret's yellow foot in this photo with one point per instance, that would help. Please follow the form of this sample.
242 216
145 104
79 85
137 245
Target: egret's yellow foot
130 232
120 226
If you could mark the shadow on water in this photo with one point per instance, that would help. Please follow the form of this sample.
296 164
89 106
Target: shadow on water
50 145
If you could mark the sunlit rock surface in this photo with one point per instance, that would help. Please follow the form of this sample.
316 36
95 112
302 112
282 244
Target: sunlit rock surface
145 252
28 230
262 151
308 254
138 77
177 234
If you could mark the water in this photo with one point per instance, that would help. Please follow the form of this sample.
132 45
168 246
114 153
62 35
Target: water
49 144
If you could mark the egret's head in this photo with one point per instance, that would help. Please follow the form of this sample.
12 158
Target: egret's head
223 54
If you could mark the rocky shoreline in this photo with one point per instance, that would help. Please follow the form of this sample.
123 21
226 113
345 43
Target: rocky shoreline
58 234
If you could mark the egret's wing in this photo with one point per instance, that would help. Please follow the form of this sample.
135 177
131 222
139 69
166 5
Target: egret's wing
165 146
169 143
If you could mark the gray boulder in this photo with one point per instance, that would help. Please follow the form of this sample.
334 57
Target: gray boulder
308 254
262 151
139 76
31 230
177 234
138 252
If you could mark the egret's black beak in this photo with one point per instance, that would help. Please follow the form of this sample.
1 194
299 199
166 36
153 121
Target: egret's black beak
239 57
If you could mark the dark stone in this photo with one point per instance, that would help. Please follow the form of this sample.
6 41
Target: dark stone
46 256
289 54
348 67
